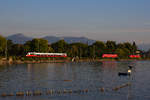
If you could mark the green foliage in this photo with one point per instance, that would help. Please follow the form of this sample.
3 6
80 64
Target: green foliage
80 50
43 45
73 51
36 45
111 46
9 47
128 46
122 53
60 46
134 47
17 50
2 45
50 49
99 48
27 47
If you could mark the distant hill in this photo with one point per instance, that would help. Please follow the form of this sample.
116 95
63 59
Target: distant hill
18 38
52 39
144 47
21 39
79 39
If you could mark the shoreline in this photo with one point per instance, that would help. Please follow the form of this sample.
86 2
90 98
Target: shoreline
3 62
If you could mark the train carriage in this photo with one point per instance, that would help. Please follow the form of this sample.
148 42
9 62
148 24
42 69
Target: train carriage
37 54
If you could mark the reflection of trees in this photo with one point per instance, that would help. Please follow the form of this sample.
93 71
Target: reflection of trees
48 75
37 71
37 75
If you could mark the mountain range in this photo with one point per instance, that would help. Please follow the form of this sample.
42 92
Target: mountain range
19 38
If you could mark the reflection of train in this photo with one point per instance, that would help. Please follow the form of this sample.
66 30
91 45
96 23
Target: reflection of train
37 54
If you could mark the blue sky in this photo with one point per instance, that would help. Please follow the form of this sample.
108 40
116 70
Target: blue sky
119 20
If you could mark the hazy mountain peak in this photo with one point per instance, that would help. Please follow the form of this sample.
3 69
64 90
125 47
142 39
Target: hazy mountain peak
19 38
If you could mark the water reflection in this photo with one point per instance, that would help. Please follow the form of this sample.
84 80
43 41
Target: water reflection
109 64
76 76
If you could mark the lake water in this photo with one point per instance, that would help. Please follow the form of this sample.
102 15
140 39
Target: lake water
76 76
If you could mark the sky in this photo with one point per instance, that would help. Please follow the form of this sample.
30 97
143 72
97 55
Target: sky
118 20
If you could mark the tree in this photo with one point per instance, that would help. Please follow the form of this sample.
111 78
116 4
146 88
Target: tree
134 47
91 51
99 48
120 46
61 46
43 45
36 45
50 49
128 46
3 42
111 46
27 47
78 49
73 51
10 47
18 50
122 52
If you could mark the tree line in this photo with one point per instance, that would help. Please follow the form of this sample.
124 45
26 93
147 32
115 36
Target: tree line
73 50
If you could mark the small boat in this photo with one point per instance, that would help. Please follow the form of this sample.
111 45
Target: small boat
122 74
125 74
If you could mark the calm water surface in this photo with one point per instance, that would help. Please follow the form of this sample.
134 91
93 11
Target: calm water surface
77 76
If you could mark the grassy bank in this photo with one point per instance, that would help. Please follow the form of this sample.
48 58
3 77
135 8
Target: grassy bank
20 60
